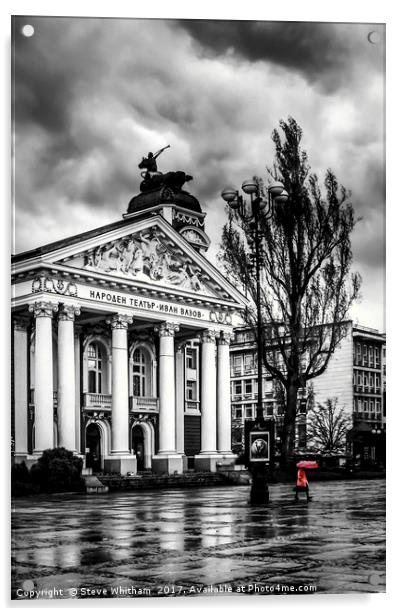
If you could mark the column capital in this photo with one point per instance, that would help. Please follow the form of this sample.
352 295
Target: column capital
180 347
225 338
208 335
167 329
67 312
120 321
43 309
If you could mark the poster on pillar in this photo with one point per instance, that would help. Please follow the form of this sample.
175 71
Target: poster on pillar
193 378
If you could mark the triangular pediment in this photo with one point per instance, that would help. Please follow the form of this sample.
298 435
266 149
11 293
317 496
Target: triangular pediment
148 253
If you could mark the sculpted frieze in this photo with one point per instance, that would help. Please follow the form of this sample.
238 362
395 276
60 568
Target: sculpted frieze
44 283
193 236
220 317
145 257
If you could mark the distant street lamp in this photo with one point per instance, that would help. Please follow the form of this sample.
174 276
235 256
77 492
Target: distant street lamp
260 209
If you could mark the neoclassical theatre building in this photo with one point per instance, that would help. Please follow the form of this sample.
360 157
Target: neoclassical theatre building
121 340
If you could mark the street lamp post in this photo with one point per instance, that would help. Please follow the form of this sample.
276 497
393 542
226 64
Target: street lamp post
258 439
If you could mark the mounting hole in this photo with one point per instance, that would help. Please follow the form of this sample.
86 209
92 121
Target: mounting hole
373 37
28 30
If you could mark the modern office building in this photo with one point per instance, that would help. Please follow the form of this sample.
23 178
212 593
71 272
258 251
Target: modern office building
355 376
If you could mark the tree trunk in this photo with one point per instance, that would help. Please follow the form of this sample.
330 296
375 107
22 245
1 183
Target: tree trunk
289 421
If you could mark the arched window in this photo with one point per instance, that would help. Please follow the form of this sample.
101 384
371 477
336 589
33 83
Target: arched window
141 374
94 355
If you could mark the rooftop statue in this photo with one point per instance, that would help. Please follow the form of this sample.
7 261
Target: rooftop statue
149 163
154 179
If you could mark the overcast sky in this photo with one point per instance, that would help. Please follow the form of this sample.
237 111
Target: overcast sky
92 96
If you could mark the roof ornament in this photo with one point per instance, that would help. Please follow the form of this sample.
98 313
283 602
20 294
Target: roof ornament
149 163
154 179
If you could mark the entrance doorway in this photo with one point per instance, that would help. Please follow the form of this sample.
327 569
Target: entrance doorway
138 446
93 447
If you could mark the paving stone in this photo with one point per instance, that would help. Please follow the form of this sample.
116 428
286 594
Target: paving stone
201 537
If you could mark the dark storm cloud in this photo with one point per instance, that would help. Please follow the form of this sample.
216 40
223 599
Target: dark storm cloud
92 96
316 50
43 90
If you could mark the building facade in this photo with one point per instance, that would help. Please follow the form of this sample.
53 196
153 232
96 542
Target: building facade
355 376
120 343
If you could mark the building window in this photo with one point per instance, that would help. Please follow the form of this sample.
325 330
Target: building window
358 352
237 411
237 364
370 355
364 354
248 362
244 336
191 390
139 373
371 380
248 387
238 388
191 358
377 357
377 381
302 435
268 386
248 411
95 363
269 408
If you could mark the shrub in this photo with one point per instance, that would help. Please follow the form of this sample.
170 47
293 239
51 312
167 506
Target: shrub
19 473
57 470
21 483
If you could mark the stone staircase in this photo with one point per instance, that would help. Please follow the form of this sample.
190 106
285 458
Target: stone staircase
146 480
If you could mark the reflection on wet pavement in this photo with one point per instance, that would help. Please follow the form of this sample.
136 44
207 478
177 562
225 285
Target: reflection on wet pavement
196 537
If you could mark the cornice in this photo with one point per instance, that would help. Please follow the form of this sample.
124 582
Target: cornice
62 280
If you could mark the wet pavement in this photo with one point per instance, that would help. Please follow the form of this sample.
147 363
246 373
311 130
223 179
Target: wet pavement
200 541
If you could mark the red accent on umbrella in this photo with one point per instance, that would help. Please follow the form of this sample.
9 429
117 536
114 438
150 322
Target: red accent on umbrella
307 464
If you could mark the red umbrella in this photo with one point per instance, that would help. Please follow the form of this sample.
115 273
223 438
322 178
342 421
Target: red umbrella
307 464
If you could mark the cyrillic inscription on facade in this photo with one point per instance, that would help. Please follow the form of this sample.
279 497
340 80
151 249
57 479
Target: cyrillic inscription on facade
141 303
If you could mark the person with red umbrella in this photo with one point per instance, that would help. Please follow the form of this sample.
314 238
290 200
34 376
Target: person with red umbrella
301 481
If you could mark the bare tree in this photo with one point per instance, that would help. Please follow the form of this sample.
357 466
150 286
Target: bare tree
306 279
327 427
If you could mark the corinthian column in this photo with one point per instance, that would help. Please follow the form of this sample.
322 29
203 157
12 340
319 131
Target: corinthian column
167 397
120 459
20 370
208 392
66 377
206 460
43 312
119 324
180 359
167 460
77 365
223 396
